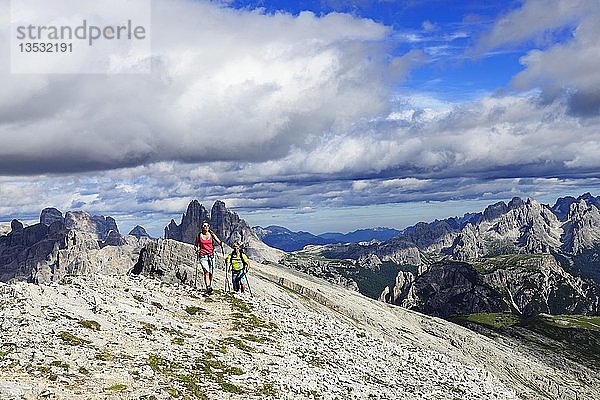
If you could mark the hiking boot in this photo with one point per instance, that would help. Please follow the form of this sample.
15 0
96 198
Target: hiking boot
209 290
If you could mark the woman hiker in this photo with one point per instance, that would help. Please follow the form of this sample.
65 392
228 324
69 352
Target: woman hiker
239 266
205 249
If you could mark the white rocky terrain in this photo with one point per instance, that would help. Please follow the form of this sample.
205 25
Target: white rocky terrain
101 336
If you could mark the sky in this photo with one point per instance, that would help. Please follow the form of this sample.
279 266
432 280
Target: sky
319 116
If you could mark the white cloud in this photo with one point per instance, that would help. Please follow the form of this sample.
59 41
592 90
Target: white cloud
226 85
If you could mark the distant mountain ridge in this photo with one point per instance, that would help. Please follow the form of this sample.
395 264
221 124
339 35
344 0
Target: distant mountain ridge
567 234
287 240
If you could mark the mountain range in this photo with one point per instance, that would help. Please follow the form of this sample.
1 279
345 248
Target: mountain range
497 241
521 276
287 240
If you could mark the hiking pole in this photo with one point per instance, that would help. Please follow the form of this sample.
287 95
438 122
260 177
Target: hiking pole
248 283
227 286
196 271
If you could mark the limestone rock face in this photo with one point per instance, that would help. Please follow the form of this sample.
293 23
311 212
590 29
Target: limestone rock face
228 226
529 285
582 228
139 232
189 227
97 225
50 215
402 290
451 288
57 246
170 260
522 227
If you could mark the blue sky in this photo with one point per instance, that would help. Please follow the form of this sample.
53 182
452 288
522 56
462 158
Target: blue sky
316 115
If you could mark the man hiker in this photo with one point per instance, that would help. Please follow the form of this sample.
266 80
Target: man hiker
205 249
239 266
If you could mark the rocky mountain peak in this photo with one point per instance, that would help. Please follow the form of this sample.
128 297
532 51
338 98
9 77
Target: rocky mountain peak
189 227
50 215
140 232
228 226
516 202
582 227
16 226
495 210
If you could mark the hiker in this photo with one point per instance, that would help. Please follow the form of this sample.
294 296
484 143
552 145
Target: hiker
239 266
205 249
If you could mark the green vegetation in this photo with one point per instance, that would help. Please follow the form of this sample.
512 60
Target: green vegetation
253 338
193 310
176 332
240 344
148 328
511 261
103 355
116 387
178 341
573 321
500 247
268 390
244 320
215 369
60 364
83 370
73 340
492 320
576 337
370 281
204 369
10 347
173 392
93 325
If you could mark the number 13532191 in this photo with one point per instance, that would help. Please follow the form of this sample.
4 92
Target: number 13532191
34 47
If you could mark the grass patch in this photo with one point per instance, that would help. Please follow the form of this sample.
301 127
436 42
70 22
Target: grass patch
103 356
175 332
173 392
117 387
148 328
83 370
240 344
573 321
267 390
73 340
60 364
10 347
193 310
178 341
492 320
253 338
93 325
508 261
216 370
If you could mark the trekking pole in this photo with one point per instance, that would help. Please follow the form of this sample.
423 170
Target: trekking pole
196 271
248 283
226 283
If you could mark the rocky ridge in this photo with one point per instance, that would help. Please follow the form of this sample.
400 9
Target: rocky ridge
228 226
524 284
57 246
152 336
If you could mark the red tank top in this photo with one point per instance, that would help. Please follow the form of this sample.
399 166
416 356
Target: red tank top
206 246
